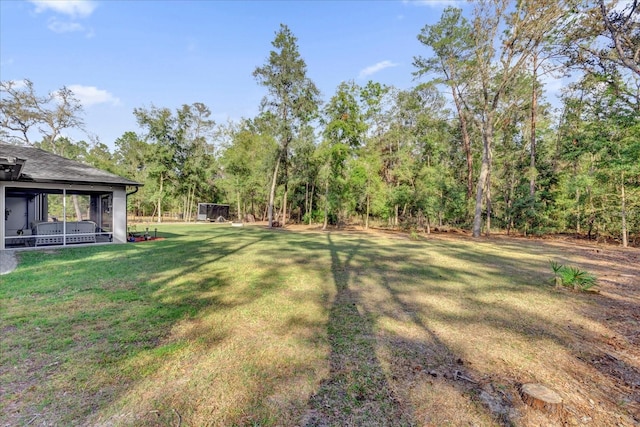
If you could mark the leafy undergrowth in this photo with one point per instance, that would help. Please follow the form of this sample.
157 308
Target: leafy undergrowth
245 326
572 277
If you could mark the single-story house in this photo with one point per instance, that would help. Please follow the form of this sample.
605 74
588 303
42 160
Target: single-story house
49 200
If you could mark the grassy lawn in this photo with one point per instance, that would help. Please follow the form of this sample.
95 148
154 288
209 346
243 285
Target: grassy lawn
217 325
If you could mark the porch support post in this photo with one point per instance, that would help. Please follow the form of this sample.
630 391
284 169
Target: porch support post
4 223
64 217
119 209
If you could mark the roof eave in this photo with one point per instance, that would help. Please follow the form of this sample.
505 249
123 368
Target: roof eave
77 182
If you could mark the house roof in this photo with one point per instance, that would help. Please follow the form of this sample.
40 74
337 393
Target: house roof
41 166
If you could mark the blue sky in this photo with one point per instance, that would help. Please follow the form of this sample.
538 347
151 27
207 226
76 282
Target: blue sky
121 55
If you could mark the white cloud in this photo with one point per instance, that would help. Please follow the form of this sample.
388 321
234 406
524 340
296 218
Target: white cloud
91 95
375 68
72 8
17 84
64 27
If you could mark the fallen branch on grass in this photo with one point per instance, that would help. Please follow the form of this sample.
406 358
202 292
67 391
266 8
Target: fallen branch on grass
35 417
457 375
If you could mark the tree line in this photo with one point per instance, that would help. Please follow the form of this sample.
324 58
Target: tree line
474 144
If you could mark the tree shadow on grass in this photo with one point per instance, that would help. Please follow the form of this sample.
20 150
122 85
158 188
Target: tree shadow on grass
81 342
357 392
424 330
499 392
375 286
373 370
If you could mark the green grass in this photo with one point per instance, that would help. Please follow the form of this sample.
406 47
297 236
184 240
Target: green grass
245 326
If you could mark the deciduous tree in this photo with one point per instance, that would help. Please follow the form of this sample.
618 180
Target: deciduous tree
23 112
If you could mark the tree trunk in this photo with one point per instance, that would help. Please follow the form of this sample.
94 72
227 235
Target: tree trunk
193 206
284 206
160 199
488 221
440 209
272 193
488 202
285 170
578 211
326 205
192 195
185 206
76 207
366 219
306 197
534 114
313 189
395 219
623 202
466 141
152 213
509 202
482 180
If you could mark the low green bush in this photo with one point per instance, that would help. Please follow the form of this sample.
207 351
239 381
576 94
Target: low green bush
572 277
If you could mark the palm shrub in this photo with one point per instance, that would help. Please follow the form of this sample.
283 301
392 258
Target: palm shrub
572 277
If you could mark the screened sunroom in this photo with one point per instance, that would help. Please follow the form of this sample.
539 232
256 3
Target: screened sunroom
49 201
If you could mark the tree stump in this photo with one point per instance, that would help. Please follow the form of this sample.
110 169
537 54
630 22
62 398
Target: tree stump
540 397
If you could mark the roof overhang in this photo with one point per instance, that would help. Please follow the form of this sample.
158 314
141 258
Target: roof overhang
10 168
